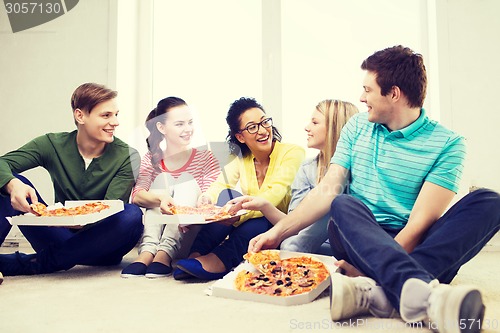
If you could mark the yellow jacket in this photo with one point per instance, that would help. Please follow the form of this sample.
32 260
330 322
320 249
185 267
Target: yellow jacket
285 161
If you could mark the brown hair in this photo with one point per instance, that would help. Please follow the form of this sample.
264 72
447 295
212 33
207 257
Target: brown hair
88 95
159 114
336 113
399 66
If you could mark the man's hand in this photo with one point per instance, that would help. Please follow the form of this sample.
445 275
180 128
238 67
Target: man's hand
271 239
348 269
19 192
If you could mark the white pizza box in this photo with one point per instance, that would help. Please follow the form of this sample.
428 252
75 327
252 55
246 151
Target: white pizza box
115 206
155 216
225 286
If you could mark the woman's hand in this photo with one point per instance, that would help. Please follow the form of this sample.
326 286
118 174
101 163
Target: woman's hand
165 203
203 199
250 202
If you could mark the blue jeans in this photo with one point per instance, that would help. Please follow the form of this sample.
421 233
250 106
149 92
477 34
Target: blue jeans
451 241
312 239
58 248
212 236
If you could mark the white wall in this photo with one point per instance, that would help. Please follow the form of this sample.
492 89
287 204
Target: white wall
469 49
41 67
324 43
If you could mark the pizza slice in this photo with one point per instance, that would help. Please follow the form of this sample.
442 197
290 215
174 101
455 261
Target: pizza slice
39 209
264 261
209 212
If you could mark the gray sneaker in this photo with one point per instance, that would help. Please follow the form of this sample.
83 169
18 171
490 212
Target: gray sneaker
444 308
351 297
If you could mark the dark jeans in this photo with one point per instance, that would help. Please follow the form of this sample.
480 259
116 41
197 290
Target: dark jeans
59 248
212 236
452 240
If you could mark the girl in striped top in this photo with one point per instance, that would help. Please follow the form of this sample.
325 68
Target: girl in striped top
176 175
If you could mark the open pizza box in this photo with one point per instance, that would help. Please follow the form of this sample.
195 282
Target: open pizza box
154 216
115 206
225 286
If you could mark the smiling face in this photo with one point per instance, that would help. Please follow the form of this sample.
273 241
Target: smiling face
260 142
178 127
99 124
316 130
380 108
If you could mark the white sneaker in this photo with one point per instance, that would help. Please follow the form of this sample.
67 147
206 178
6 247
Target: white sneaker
445 308
350 297
1 278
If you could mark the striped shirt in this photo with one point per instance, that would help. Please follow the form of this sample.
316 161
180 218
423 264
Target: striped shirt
201 165
388 169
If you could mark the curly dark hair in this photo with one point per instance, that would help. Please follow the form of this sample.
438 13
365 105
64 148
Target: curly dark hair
237 108
155 137
399 66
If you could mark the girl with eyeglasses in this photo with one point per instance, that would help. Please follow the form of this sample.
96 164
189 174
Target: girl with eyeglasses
263 167
323 132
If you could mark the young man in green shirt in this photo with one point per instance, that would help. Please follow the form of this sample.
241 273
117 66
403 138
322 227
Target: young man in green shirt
86 164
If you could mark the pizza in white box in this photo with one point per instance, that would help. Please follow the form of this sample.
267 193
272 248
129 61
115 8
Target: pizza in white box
73 213
189 215
292 278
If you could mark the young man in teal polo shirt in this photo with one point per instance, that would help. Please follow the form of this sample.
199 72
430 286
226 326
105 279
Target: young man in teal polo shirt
389 233
86 164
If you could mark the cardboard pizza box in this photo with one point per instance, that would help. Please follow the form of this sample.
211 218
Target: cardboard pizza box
115 206
155 216
225 286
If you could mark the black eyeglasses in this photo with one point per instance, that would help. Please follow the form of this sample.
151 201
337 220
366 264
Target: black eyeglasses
254 128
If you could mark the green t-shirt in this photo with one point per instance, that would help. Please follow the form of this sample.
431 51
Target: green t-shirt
109 176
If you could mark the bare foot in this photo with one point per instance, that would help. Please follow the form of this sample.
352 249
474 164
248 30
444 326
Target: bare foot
211 263
163 257
194 255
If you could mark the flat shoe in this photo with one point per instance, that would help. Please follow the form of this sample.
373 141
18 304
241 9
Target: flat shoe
194 267
157 270
135 269
179 274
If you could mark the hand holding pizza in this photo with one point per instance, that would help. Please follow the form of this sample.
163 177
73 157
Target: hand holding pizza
203 200
166 204
19 192
253 203
270 239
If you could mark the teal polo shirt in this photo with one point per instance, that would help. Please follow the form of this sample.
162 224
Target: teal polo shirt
388 169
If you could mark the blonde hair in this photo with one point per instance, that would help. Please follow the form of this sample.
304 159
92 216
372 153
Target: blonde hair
336 113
